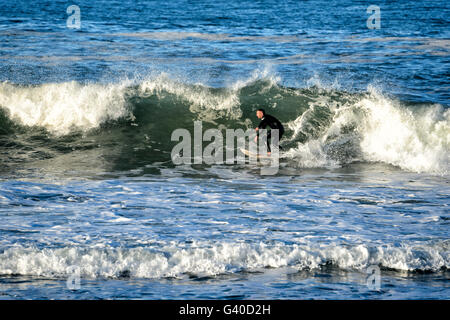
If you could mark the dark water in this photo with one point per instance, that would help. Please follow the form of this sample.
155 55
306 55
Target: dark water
88 187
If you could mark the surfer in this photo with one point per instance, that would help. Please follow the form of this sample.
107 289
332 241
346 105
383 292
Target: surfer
271 122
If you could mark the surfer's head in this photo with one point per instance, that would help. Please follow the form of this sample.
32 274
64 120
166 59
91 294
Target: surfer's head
260 113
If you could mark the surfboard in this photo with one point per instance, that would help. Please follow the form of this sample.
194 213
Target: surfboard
254 155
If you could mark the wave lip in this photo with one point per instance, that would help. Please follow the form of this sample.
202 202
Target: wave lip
206 259
207 104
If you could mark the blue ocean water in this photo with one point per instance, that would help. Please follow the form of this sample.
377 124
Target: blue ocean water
93 207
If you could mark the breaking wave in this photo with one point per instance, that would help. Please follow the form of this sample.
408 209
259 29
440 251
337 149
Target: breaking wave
326 127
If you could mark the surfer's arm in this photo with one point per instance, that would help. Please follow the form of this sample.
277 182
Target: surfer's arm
262 125
257 133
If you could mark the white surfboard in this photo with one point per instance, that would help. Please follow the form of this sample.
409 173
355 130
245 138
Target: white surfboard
255 155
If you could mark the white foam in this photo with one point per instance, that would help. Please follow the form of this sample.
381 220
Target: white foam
310 155
206 259
414 140
384 131
63 107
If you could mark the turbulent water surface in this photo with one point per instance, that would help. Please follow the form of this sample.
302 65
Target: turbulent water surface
88 187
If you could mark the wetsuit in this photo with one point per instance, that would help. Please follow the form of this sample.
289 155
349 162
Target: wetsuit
272 123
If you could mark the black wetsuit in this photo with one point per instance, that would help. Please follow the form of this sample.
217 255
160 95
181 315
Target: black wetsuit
272 123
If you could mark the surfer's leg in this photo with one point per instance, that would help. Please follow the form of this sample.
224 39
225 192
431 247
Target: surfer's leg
279 138
275 140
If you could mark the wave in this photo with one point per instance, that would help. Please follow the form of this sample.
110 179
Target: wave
326 127
208 259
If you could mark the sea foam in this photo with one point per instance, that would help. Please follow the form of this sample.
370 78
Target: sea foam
64 107
209 259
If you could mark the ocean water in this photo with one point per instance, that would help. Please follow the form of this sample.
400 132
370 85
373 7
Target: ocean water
92 206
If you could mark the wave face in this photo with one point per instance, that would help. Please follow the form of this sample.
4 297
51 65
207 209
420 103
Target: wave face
326 127
207 259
